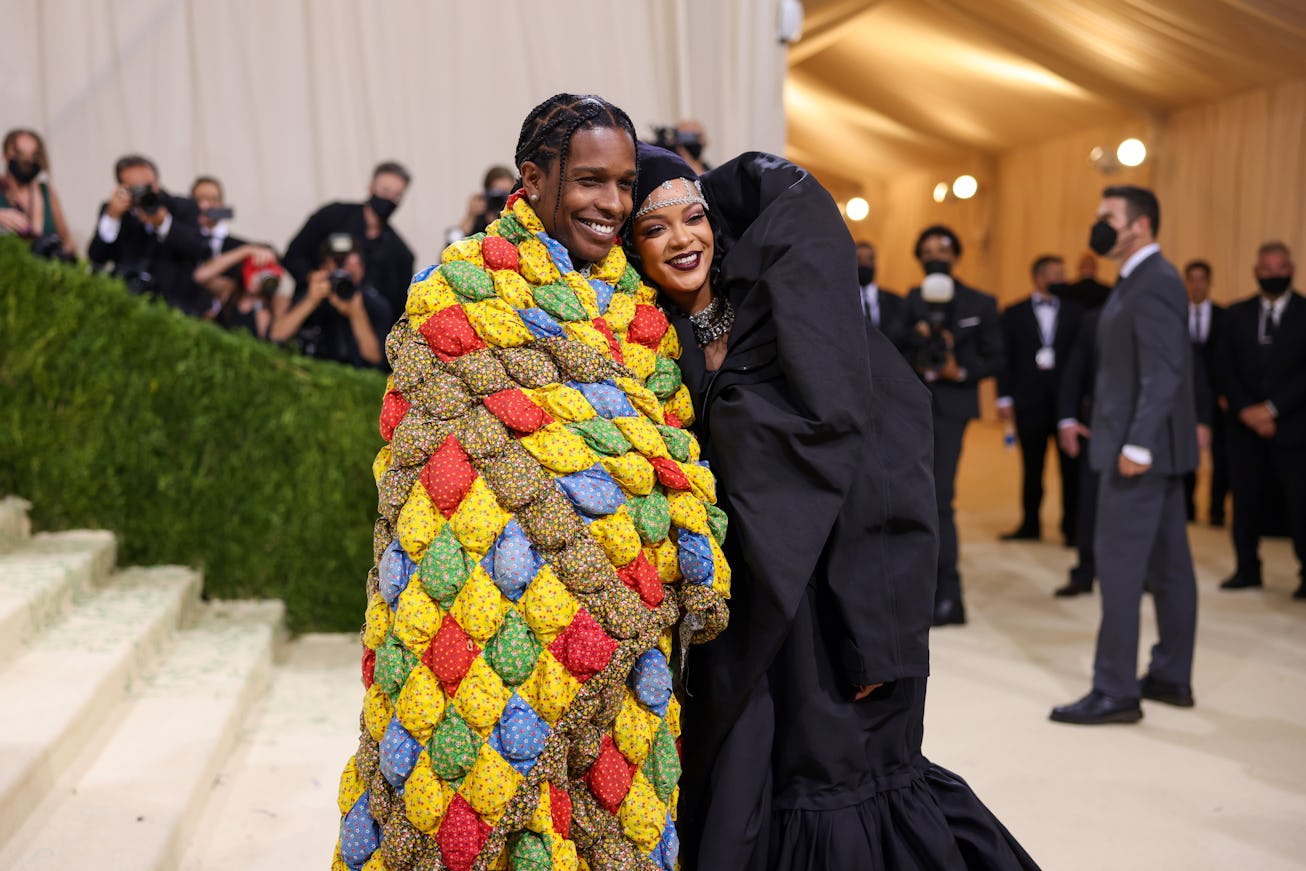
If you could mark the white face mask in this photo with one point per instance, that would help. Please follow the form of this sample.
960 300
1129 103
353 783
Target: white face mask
937 288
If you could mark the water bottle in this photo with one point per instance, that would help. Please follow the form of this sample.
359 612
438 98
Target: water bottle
1009 436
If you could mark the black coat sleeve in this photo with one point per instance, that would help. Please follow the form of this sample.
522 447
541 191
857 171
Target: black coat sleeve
185 242
100 251
1007 322
990 354
1077 376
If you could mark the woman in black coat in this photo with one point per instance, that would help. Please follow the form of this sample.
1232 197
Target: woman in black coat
819 434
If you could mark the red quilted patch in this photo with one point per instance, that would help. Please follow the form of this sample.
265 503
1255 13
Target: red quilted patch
517 411
641 577
672 420
583 647
447 476
499 253
461 835
647 327
560 808
393 409
609 777
450 653
450 334
669 473
369 667
613 347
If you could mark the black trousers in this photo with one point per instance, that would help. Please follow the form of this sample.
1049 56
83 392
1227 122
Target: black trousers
1142 540
1085 519
948 435
1220 483
1256 464
1034 428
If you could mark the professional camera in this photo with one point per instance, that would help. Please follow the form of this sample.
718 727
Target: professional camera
140 280
338 247
145 198
218 213
261 278
936 291
50 247
672 138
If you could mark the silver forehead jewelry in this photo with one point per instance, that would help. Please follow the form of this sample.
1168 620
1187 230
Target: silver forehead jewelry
693 194
712 322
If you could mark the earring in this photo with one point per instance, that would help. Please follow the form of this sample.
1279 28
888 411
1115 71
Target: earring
535 198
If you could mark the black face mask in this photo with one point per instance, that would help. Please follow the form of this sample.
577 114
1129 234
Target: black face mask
865 275
936 267
1102 238
384 208
693 149
1058 288
23 171
1276 286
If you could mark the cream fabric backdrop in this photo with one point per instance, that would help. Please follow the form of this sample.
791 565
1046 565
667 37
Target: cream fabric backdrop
292 102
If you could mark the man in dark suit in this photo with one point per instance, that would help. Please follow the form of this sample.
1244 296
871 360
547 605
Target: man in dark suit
1205 320
883 307
389 259
1262 373
953 338
1144 441
1074 408
151 237
1037 335
1087 290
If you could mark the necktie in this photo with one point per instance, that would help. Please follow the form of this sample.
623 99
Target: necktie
1270 325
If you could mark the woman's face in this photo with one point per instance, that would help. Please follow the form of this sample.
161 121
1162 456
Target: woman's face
24 148
596 191
676 245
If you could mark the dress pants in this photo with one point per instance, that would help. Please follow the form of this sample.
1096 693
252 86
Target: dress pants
1142 540
1085 519
948 435
1034 429
1219 490
1255 462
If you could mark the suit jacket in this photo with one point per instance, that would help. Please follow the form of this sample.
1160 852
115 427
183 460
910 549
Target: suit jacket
977 345
1143 393
1249 373
1075 391
171 261
1205 365
1088 292
1034 390
891 314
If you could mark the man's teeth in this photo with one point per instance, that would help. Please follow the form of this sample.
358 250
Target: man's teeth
601 229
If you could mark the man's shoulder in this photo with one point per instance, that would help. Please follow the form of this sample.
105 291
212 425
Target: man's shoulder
1018 306
888 294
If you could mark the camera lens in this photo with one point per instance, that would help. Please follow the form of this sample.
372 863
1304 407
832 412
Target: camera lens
342 284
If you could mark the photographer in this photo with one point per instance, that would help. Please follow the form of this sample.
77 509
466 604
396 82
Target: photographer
152 238
389 259
246 280
29 207
339 316
483 208
954 339
688 140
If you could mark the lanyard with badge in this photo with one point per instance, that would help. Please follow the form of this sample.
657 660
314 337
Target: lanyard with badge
1046 357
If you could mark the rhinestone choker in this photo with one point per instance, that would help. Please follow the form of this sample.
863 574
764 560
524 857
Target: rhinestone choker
712 322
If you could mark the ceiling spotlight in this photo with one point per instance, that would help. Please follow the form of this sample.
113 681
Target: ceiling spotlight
940 192
964 187
1131 152
858 209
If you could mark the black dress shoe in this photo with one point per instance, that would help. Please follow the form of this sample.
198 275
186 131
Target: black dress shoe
949 611
1073 588
1178 694
1096 709
1240 582
1022 534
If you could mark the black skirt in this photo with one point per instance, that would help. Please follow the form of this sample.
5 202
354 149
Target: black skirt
846 787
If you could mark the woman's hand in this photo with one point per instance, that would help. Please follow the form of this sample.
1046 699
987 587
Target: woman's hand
866 691
14 221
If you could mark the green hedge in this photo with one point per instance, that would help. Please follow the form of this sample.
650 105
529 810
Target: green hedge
195 445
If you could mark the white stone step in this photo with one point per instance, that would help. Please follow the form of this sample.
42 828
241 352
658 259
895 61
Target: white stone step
273 805
60 690
42 574
15 527
132 807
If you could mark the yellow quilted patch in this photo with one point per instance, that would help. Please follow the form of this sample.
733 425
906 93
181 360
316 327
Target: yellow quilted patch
490 784
634 730
550 688
426 796
639 359
564 851
425 298
558 449
621 311
351 787
687 512
467 250
417 619
666 559
481 697
419 522
381 464
618 537
722 573
664 644
536 267
421 703
564 403
378 622
479 519
584 291
479 606
673 716
632 472
585 333
642 814
376 863
681 404
541 820
670 344
642 435
547 605
642 398
497 324
512 288
337 863
701 481
377 711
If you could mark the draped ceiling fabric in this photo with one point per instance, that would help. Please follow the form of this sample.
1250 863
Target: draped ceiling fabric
291 102
885 99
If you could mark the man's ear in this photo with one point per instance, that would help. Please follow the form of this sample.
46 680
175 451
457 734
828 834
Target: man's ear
532 177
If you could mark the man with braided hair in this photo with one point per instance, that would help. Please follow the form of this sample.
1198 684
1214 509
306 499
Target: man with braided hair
546 528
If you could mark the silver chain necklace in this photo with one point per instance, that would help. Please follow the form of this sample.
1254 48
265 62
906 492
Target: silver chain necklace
712 322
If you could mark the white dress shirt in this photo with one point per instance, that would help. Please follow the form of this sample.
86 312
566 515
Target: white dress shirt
1046 308
871 302
1199 321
